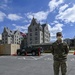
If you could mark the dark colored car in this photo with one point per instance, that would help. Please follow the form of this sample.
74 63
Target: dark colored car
21 51
32 50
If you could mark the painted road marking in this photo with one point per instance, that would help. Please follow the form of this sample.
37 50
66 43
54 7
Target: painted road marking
48 59
34 58
21 58
72 59
39 57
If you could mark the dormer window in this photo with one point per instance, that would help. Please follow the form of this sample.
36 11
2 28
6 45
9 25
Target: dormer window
10 31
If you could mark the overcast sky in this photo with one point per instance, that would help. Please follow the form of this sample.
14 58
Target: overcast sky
59 15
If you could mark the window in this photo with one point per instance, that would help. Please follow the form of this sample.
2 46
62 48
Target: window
35 29
19 41
5 41
30 34
30 39
30 42
5 38
35 38
19 38
3 35
35 33
10 31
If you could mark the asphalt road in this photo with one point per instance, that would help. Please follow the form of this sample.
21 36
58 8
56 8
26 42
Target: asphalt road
32 65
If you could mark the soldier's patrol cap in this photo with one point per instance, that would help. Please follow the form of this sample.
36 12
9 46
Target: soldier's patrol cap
58 34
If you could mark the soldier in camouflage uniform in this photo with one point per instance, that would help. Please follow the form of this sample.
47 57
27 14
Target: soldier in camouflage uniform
59 51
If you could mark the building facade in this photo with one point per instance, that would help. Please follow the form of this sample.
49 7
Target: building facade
37 33
46 33
11 37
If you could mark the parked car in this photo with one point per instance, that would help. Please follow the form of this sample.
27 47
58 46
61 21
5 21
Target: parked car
21 51
32 50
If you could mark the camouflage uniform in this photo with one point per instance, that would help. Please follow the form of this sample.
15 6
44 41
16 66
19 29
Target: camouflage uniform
59 51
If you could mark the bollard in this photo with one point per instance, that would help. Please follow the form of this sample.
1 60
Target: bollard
39 53
25 53
13 54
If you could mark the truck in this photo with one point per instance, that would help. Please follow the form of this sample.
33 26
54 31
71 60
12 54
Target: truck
32 50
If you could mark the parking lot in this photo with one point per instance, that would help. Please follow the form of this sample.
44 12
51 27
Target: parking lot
32 65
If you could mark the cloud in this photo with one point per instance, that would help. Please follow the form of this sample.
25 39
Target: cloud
14 17
71 25
54 4
62 8
54 22
2 16
6 1
41 15
53 30
67 15
25 21
4 4
21 28
57 27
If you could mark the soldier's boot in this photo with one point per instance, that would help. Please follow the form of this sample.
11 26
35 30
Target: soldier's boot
63 68
56 67
64 74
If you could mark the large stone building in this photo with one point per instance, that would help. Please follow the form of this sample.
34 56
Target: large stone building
11 37
37 33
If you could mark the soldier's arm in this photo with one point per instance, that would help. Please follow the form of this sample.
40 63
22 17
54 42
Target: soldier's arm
52 50
66 49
